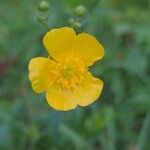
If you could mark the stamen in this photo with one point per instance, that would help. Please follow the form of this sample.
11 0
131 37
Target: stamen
70 75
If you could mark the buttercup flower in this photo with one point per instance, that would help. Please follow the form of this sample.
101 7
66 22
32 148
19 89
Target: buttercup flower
65 78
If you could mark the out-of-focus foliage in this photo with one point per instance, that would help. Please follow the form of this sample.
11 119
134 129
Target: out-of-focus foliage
120 120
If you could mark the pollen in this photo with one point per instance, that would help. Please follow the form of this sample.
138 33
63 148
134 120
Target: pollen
70 75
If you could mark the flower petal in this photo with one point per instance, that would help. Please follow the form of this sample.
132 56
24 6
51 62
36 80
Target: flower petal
88 48
58 42
63 43
88 91
60 98
40 73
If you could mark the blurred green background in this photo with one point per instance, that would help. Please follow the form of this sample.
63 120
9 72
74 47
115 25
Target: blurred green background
120 120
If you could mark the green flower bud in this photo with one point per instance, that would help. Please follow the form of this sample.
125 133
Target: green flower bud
42 19
71 21
80 10
44 6
77 25
74 23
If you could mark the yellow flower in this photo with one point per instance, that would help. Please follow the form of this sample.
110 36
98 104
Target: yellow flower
65 77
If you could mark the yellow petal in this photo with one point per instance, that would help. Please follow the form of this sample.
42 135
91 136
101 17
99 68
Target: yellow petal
63 43
88 48
88 91
58 42
59 98
40 74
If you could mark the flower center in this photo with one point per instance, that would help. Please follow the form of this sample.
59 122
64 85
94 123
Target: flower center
68 72
70 75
